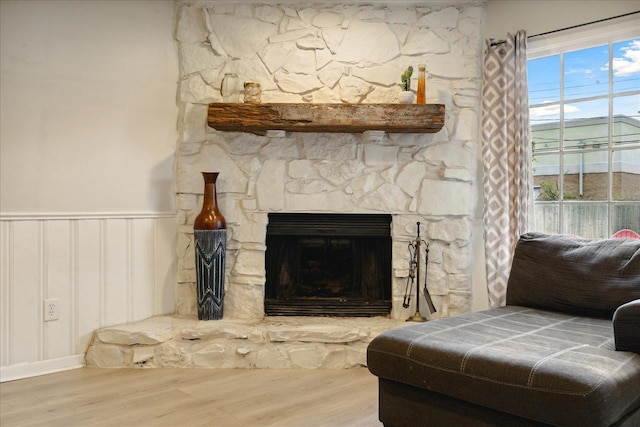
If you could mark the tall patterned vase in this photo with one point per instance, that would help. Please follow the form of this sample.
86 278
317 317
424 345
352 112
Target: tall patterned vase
210 236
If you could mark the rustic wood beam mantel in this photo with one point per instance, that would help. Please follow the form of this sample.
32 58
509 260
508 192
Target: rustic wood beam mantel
344 118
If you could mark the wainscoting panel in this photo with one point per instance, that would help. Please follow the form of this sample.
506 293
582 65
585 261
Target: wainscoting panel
25 291
4 293
102 270
116 289
57 282
89 281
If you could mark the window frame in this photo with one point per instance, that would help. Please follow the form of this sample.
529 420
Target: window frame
561 43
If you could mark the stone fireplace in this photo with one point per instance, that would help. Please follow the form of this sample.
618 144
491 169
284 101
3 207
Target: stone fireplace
320 53
333 53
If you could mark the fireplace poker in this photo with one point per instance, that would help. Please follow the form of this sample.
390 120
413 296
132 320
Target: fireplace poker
411 277
414 276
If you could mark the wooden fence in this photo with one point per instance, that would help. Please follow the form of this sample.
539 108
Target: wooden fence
586 219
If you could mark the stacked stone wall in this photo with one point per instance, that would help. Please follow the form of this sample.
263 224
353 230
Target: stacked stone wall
331 54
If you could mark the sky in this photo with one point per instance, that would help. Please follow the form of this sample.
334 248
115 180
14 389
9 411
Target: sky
586 74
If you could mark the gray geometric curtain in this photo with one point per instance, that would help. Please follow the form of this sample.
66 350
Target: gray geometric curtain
506 158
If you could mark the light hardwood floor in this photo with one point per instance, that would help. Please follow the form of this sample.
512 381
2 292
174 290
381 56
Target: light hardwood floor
192 397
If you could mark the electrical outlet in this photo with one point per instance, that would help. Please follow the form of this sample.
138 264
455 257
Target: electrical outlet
51 309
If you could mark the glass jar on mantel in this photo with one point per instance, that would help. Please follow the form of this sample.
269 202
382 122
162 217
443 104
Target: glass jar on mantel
230 88
210 242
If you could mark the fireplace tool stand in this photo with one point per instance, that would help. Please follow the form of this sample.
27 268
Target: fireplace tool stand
414 276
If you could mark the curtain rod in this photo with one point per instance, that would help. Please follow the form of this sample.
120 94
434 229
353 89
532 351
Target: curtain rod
582 25
499 42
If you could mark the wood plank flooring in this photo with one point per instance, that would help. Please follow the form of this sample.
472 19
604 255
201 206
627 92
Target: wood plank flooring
193 397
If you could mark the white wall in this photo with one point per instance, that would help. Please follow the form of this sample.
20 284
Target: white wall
87 144
88 106
540 16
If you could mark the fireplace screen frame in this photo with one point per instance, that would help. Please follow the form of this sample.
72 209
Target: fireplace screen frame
366 236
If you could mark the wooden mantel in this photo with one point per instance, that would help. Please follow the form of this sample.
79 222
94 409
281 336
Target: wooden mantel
345 118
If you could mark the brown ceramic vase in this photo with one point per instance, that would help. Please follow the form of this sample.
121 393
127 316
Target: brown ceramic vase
210 238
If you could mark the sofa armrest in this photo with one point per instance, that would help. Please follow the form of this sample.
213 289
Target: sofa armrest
626 327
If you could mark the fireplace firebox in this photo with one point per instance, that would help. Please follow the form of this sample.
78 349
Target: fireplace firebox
328 265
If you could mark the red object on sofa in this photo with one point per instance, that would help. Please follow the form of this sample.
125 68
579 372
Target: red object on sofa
626 234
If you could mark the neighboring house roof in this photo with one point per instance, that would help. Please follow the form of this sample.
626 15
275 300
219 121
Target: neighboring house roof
591 121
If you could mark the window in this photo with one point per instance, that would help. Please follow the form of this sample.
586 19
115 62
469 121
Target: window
584 97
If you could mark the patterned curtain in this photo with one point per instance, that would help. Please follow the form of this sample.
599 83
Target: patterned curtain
506 158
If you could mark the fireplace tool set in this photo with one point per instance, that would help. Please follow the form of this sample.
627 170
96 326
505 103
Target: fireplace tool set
414 277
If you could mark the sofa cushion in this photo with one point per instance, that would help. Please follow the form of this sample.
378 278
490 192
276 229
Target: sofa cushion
574 275
626 327
545 366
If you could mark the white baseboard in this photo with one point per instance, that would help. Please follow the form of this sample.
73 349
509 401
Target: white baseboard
33 369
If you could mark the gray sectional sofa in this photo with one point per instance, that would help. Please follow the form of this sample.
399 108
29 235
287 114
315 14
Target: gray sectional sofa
564 351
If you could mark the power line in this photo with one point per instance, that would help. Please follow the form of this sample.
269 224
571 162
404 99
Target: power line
557 88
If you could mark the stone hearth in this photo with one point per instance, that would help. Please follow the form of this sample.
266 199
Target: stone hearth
277 342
